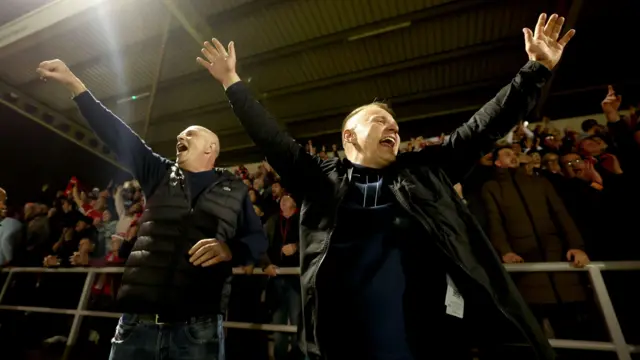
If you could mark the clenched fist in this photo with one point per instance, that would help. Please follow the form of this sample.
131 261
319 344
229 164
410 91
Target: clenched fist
209 252
58 71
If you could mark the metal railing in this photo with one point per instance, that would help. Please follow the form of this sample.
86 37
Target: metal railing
617 344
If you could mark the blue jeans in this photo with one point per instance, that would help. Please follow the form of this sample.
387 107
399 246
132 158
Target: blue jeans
289 310
145 340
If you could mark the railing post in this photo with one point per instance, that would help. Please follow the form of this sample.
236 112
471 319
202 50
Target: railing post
5 287
77 318
610 318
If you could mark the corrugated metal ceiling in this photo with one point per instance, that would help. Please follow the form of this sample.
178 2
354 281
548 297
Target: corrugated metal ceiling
296 53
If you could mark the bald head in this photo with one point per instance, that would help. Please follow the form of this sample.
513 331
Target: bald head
197 149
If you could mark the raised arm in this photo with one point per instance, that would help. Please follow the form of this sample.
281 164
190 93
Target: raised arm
295 166
495 119
145 165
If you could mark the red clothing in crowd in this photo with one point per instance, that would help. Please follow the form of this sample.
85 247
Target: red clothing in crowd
91 212
104 284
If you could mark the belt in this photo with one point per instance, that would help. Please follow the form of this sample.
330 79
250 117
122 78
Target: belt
173 319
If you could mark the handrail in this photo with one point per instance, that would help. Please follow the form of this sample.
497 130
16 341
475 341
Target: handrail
524 267
618 343
120 269
565 266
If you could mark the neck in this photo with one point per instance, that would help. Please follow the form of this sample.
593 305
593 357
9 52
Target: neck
194 168
359 159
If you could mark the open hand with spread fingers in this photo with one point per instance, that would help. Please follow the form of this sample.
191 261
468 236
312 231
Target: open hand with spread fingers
542 44
209 252
220 62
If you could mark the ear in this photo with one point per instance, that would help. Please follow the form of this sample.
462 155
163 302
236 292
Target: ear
497 163
349 137
210 148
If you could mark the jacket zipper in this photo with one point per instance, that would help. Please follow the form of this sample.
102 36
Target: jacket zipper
407 207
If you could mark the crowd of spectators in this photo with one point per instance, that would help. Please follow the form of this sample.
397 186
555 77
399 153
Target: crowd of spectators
542 195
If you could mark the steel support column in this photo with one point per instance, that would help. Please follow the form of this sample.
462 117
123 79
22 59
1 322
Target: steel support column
190 20
158 74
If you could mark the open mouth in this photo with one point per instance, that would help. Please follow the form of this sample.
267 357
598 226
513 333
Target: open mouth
180 147
388 141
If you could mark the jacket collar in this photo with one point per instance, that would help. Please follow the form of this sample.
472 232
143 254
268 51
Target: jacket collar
391 169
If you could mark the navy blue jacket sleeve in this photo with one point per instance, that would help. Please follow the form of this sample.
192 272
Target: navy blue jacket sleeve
250 241
146 166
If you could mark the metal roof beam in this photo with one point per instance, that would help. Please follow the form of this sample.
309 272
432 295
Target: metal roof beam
447 9
459 53
55 122
42 18
246 62
464 52
190 20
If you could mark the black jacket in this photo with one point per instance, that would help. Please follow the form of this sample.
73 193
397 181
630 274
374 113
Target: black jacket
423 186
158 277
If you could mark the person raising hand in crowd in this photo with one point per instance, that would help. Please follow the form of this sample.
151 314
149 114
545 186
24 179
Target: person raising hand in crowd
197 219
362 217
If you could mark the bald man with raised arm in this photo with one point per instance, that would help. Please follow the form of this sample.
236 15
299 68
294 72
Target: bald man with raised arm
198 221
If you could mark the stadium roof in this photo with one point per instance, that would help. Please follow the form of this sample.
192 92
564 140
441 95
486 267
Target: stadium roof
308 61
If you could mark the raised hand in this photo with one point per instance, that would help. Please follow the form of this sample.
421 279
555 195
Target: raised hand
611 104
590 174
542 45
221 62
58 71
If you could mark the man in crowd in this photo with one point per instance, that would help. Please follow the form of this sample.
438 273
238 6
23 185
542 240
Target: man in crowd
368 222
10 231
284 291
36 241
196 218
528 222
